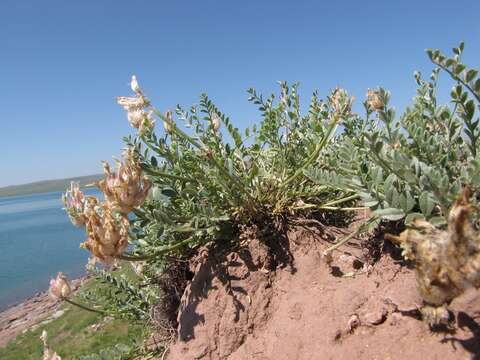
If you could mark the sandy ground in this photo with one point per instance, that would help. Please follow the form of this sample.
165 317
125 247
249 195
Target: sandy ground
244 306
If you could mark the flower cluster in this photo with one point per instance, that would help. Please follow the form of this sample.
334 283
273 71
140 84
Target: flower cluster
107 223
374 100
135 107
342 103
74 202
59 287
125 188
107 232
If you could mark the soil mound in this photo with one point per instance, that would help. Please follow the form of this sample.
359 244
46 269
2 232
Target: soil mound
266 302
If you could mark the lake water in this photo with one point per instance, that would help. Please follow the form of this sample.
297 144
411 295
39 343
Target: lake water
37 240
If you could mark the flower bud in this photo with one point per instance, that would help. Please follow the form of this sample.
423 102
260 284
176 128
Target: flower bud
215 122
134 85
168 122
59 287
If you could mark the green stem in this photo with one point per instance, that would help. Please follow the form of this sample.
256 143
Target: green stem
342 208
350 236
220 167
129 257
169 176
330 130
83 307
457 78
339 201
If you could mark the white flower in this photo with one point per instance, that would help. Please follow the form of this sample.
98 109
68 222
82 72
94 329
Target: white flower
136 117
59 287
132 103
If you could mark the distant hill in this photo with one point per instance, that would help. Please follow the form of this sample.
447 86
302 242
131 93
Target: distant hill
47 185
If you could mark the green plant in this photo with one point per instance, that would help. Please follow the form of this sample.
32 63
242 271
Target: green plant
204 187
414 166
119 296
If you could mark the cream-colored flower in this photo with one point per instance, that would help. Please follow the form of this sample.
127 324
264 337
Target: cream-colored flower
136 117
59 287
74 202
132 103
47 352
135 107
215 122
342 103
107 232
374 100
125 188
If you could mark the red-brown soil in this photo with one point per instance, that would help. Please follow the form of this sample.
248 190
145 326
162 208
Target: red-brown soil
288 304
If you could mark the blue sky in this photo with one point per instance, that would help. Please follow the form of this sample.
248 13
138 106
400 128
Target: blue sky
63 62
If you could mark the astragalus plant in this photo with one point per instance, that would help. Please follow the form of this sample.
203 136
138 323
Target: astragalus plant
415 165
209 179
421 170
198 181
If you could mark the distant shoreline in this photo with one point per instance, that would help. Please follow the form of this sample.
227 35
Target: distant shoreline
46 186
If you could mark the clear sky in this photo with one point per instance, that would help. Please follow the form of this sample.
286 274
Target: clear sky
63 62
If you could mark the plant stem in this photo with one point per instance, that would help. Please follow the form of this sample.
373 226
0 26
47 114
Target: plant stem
219 166
342 200
350 236
129 257
457 78
342 208
83 307
330 130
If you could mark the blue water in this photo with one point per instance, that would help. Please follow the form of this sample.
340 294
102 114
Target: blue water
37 240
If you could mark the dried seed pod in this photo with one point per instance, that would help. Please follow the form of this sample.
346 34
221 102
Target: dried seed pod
446 262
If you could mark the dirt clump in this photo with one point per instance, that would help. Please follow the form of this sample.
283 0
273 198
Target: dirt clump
251 303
